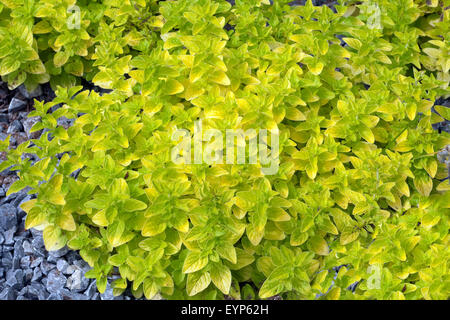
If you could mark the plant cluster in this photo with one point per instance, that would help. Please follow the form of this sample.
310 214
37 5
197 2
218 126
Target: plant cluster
351 92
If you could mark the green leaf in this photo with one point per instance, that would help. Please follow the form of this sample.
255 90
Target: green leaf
131 205
221 277
197 282
194 261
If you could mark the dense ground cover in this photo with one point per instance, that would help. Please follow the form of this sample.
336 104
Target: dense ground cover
351 89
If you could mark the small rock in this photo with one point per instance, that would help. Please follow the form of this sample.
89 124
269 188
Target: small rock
37 291
40 252
91 290
37 275
4 118
28 124
69 295
2 238
16 262
27 248
16 105
38 241
55 281
6 262
52 259
18 248
36 261
28 274
25 262
77 282
83 265
15 279
65 123
55 296
8 217
47 267
15 126
30 95
62 265
9 235
8 294
58 253
71 269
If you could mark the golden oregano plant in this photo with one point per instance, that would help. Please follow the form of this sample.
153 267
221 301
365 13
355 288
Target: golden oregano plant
351 91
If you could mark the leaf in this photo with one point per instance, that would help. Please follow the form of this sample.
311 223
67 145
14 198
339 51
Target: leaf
131 205
270 288
53 238
220 77
228 252
60 58
294 114
354 43
194 261
319 246
197 282
221 277
114 233
150 288
152 227
35 217
67 222
9 65
173 87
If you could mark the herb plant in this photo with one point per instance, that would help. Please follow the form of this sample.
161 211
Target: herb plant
359 188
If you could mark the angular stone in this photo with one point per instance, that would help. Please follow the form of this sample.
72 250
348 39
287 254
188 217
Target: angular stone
15 279
83 265
59 253
28 274
8 217
37 291
30 95
36 261
37 275
55 296
47 267
40 252
16 105
69 295
25 262
9 236
55 281
77 282
4 118
91 290
14 127
27 248
38 242
8 294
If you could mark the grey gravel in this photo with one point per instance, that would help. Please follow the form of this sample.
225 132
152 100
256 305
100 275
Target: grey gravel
16 105
62 265
30 95
55 281
8 217
15 126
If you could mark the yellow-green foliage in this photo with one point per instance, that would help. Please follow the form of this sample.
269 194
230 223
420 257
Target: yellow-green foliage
359 184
